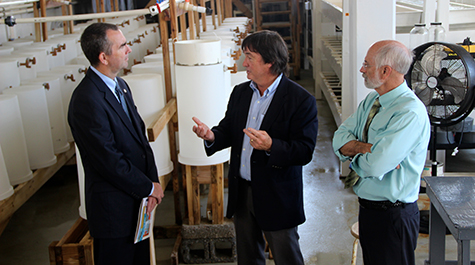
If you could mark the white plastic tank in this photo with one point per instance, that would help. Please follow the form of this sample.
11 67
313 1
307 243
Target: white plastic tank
5 50
137 47
37 128
10 73
200 92
6 189
27 62
55 56
55 111
40 55
12 140
69 77
70 47
82 185
81 59
149 97
17 43
150 68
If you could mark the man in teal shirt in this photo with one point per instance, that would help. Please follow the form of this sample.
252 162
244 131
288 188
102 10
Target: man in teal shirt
387 157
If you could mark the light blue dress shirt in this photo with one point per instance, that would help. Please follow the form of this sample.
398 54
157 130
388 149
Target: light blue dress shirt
400 134
257 111
110 83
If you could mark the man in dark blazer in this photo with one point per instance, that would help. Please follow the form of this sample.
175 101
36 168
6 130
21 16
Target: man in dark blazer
118 162
271 126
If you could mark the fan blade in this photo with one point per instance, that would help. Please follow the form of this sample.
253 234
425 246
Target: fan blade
454 86
424 93
431 60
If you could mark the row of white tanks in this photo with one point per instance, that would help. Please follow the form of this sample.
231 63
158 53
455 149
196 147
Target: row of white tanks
33 110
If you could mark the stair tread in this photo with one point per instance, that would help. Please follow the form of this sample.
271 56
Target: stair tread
279 24
275 12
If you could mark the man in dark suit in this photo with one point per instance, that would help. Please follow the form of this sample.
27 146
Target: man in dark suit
271 126
118 162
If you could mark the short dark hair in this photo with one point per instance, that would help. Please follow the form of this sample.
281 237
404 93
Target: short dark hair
272 48
94 41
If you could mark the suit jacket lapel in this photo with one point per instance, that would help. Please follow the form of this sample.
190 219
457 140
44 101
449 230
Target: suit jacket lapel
276 105
244 104
113 103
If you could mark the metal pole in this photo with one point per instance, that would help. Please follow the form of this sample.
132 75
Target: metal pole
137 12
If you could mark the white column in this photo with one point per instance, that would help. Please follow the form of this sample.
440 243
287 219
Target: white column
361 28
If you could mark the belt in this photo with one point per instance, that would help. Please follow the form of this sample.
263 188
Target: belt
380 205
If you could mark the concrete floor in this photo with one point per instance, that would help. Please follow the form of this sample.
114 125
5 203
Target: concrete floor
325 236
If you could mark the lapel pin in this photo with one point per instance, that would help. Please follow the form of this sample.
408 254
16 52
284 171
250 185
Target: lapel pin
125 91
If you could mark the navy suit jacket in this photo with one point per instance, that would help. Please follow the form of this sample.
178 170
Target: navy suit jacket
277 188
118 162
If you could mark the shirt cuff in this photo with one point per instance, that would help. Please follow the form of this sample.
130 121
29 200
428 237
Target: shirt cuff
208 144
151 192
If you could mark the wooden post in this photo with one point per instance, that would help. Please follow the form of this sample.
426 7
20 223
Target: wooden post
228 8
183 27
71 23
98 9
44 25
193 195
36 13
64 11
217 193
203 16
168 88
103 9
213 14
191 21
220 14
197 18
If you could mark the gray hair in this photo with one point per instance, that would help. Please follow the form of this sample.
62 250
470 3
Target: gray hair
395 55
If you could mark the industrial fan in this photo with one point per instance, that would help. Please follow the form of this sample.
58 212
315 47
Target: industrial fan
443 77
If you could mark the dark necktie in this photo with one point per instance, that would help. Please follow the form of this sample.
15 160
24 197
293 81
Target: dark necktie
120 95
352 177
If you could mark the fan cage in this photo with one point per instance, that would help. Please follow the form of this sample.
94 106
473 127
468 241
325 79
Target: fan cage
440 113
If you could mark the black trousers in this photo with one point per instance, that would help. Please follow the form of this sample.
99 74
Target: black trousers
121 251
389 236
250 241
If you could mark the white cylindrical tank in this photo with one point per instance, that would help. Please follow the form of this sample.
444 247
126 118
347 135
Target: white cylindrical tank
27 62
151 68
55 111
12 140
40 55
81 59
82 185
69 77
149 97
55 54
200 93
6 189
6 50
238 78
35 118
10 73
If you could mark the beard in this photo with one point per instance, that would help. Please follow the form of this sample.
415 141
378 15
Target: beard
372 83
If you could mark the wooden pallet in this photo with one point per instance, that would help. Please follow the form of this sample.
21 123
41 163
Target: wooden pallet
75 248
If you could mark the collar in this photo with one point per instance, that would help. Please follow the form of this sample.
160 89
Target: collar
390 96
111 83
270 89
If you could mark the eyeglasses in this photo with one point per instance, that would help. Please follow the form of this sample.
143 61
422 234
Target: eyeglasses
366 65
